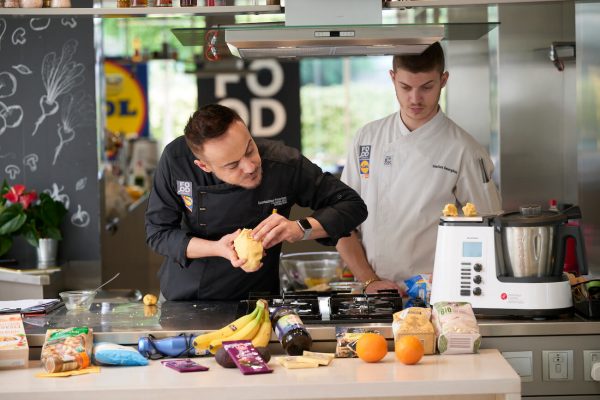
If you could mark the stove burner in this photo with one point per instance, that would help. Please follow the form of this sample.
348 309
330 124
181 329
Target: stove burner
342 306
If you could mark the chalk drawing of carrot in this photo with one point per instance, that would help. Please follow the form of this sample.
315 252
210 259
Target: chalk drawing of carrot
60 75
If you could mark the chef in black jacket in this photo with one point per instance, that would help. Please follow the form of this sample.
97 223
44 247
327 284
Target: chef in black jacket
217 179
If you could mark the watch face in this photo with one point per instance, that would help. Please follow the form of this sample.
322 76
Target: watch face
305 224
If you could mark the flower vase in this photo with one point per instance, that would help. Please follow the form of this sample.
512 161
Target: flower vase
46 253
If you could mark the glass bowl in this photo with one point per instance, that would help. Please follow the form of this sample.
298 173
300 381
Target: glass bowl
78 300
307 270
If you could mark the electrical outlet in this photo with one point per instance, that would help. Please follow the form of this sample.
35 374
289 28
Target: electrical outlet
590 357
557 365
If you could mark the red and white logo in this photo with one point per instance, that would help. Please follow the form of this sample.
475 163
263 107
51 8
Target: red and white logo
503 296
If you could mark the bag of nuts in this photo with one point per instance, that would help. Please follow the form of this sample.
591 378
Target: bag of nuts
67 349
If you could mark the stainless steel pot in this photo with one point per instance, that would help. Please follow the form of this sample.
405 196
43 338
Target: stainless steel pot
533 241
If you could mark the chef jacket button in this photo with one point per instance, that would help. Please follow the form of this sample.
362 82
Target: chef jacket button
202 224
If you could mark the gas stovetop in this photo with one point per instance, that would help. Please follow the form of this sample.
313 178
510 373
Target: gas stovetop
335 307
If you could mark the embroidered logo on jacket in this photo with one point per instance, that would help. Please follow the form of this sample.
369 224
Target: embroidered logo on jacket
279 201
364 160
445 168
387 161
184 189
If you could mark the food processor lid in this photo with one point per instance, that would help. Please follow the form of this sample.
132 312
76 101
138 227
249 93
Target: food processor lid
531 215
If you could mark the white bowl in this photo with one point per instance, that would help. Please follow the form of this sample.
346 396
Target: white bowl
78 300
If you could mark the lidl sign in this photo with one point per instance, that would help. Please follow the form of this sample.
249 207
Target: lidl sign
126 100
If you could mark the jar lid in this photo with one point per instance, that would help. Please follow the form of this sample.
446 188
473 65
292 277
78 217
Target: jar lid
530 215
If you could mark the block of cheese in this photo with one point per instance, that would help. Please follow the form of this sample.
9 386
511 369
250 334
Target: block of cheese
295 362
14 351
249 249
320 358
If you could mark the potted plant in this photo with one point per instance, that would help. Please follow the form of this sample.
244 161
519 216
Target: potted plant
42 228
14 204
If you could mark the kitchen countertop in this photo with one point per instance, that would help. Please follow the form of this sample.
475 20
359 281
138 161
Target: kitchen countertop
470 376
125 323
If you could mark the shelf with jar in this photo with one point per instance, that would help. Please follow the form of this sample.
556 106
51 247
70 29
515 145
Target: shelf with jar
129 8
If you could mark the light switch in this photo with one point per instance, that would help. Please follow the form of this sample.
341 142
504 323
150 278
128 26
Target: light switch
521 362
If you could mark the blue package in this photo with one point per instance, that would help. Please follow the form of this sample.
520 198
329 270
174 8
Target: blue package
114 354
419 288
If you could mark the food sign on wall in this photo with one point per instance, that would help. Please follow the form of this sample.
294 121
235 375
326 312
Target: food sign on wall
126 100
267 98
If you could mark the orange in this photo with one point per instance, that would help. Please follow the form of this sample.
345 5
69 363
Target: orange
409 349
371 347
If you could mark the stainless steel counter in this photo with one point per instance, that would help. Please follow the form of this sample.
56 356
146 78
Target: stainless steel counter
126 323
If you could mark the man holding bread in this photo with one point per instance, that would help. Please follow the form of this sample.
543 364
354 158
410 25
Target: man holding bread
215 181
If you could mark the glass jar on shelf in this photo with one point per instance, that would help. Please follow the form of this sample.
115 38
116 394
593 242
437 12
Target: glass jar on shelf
139 3
164 3
60 3
188 3
123 3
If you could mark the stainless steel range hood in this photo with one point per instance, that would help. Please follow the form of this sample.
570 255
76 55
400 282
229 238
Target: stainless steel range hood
331 40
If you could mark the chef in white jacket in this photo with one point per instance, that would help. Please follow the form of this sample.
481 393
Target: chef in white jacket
407 167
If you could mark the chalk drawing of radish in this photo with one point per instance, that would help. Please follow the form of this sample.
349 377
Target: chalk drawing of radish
81 218
60 75
56 194
75 112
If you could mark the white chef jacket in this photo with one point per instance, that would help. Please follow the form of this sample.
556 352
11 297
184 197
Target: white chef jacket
406 178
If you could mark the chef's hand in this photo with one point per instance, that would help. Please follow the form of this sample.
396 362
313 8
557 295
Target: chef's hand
383 284
275 229
225 249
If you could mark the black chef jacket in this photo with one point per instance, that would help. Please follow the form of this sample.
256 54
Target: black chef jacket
187 202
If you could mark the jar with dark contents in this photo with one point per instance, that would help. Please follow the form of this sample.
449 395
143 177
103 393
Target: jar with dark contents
188 3
290 331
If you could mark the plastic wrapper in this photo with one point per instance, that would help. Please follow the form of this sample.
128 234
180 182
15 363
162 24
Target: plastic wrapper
415 321
418 290
346 340
114 354
456 328
67 349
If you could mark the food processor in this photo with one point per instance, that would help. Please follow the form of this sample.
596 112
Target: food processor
509 264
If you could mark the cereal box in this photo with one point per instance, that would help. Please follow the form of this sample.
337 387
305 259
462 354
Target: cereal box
14 351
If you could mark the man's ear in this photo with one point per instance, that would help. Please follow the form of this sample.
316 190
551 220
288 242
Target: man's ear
444 79
203 166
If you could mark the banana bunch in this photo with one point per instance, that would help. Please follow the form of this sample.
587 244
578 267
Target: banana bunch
255 326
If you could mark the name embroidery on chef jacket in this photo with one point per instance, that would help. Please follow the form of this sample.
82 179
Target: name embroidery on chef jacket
184 189
364 160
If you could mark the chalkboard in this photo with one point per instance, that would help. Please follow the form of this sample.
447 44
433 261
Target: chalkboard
48 139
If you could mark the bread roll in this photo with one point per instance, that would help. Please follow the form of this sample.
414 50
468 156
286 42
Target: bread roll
248 248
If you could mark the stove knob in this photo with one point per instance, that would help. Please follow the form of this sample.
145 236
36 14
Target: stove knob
477 279
477 267
477 291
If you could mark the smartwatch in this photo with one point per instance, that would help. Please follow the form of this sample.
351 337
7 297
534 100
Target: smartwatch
306 228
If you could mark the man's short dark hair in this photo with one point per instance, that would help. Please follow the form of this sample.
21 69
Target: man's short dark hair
208 122
431 59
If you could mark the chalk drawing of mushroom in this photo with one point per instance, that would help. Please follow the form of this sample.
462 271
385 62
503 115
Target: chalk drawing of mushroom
31 160
39 24
56 194
18 36
22 69
10 116
2 30
59 75
8 84
75 112
81 218
81 184
70 22
12 171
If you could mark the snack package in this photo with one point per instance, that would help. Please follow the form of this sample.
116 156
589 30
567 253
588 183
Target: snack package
14 351
246 357
67 349
418 290
456 328
346 340
115 354
415 321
